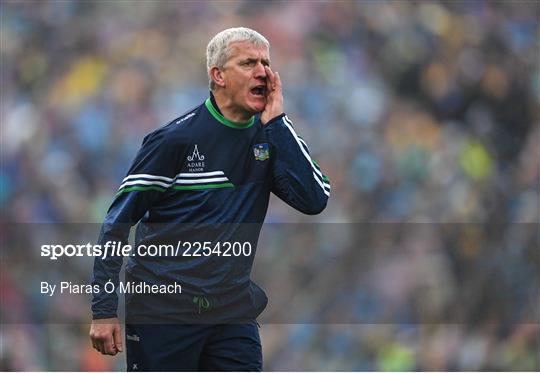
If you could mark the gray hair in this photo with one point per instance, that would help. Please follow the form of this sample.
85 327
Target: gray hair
217 51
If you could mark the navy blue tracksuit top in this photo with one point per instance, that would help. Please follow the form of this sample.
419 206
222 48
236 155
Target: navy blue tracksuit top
205 182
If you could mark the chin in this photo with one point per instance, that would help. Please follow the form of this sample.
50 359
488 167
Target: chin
257 107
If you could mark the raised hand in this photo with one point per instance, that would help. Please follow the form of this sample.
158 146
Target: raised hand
274 96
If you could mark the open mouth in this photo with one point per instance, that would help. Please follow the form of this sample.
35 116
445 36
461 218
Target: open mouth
259 90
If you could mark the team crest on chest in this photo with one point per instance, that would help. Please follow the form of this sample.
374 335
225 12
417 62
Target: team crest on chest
261 152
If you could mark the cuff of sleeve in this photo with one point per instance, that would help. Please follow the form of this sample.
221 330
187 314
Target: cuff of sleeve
275 119
104 316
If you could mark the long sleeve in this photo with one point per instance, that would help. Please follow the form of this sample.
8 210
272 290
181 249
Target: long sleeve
152 172
297 178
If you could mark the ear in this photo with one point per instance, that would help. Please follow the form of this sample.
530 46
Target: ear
217 76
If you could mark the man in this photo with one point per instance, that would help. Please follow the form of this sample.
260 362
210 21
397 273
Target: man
204 181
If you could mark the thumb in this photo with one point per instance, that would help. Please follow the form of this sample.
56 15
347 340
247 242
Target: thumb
117 336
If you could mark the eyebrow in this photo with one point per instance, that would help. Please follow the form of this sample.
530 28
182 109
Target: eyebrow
251 59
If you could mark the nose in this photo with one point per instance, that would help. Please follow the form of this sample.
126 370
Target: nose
260 72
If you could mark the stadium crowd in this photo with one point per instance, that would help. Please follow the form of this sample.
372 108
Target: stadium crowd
425 116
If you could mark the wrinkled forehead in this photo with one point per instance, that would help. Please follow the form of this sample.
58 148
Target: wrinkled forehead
246 49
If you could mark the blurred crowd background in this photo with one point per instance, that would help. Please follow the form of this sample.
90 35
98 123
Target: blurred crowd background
424 114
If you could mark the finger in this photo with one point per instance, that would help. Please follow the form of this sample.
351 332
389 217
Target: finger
117 336
108 345
99 346
92 339
271 77
94 344
277 80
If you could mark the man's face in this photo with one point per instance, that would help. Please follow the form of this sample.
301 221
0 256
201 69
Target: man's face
245 77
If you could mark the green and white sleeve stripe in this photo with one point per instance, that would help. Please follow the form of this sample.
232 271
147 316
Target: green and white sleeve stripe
182 181
203 180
